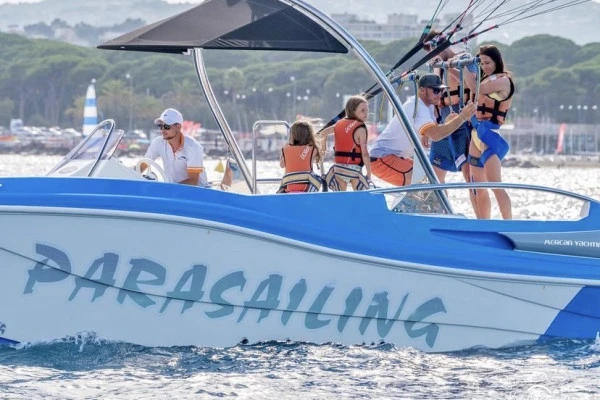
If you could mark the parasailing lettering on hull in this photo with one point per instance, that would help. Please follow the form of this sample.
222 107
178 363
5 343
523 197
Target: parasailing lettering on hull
268 296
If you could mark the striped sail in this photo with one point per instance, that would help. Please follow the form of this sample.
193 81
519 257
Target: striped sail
90 113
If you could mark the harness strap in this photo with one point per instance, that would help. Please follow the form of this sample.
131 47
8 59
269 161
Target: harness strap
446 101
353 155
345 172
313 181
456 92
461 85
495 111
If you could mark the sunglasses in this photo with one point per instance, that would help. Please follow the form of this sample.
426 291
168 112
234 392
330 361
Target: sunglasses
436 90
163 126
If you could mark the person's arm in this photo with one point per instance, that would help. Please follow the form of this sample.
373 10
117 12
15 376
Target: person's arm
282 160
322 140
314 164
470 69
500 85
361 135
227 177
192 179
151 154
194 163
327 131
492 84
438 132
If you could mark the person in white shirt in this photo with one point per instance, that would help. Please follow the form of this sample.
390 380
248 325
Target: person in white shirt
181 155
391 154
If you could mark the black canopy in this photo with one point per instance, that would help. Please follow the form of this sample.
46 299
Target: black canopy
231 24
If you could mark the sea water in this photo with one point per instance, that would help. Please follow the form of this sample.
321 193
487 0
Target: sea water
87 367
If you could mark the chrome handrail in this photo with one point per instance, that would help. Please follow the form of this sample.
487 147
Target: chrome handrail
232 144
255 127
481 185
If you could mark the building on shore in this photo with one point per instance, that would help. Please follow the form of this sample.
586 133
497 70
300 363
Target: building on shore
397 27
544 137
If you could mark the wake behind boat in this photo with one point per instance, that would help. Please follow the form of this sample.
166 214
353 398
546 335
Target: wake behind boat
95 246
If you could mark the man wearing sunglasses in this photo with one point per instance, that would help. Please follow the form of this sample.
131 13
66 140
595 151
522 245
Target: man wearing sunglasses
181 155
450 154
392 153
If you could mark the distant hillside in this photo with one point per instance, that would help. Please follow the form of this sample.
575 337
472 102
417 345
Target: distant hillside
576 23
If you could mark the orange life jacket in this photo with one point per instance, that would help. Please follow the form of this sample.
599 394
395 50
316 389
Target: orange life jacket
297 159
347 151
492 109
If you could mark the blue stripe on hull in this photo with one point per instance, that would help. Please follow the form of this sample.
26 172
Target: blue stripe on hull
429 241
580 319
4 342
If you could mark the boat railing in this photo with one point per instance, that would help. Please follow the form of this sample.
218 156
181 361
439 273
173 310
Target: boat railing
256 128
99 145
418 199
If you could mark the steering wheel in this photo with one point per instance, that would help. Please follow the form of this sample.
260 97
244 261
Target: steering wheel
154 172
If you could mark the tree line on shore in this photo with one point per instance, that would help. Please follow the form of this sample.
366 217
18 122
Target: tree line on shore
43 82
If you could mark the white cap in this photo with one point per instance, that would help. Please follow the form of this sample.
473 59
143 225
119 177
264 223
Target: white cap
170 116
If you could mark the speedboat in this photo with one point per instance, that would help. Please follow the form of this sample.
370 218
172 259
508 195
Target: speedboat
94 246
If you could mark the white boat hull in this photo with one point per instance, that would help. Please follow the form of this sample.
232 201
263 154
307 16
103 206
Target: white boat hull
123 275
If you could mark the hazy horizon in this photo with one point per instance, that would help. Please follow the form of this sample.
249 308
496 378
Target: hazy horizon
575 17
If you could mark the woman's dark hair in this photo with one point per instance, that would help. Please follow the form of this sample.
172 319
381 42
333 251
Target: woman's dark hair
492 52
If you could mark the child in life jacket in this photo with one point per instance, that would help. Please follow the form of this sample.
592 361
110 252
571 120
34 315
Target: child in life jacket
350 148
298 157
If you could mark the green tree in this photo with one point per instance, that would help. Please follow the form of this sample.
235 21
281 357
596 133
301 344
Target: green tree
185 97
113 100
47 79
6 111
529 55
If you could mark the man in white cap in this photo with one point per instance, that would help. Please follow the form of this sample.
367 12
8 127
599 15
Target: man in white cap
181 155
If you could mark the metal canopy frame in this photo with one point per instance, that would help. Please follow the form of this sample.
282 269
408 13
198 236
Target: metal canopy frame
337 30
300 26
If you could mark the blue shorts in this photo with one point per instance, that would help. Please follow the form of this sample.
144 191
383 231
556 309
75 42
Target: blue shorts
451 153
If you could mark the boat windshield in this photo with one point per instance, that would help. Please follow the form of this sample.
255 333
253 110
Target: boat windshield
98 145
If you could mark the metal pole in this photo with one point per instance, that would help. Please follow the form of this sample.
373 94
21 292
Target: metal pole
383 81
220 117
293 79
130 79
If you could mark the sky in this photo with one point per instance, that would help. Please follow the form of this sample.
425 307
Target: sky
168 1
37 1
